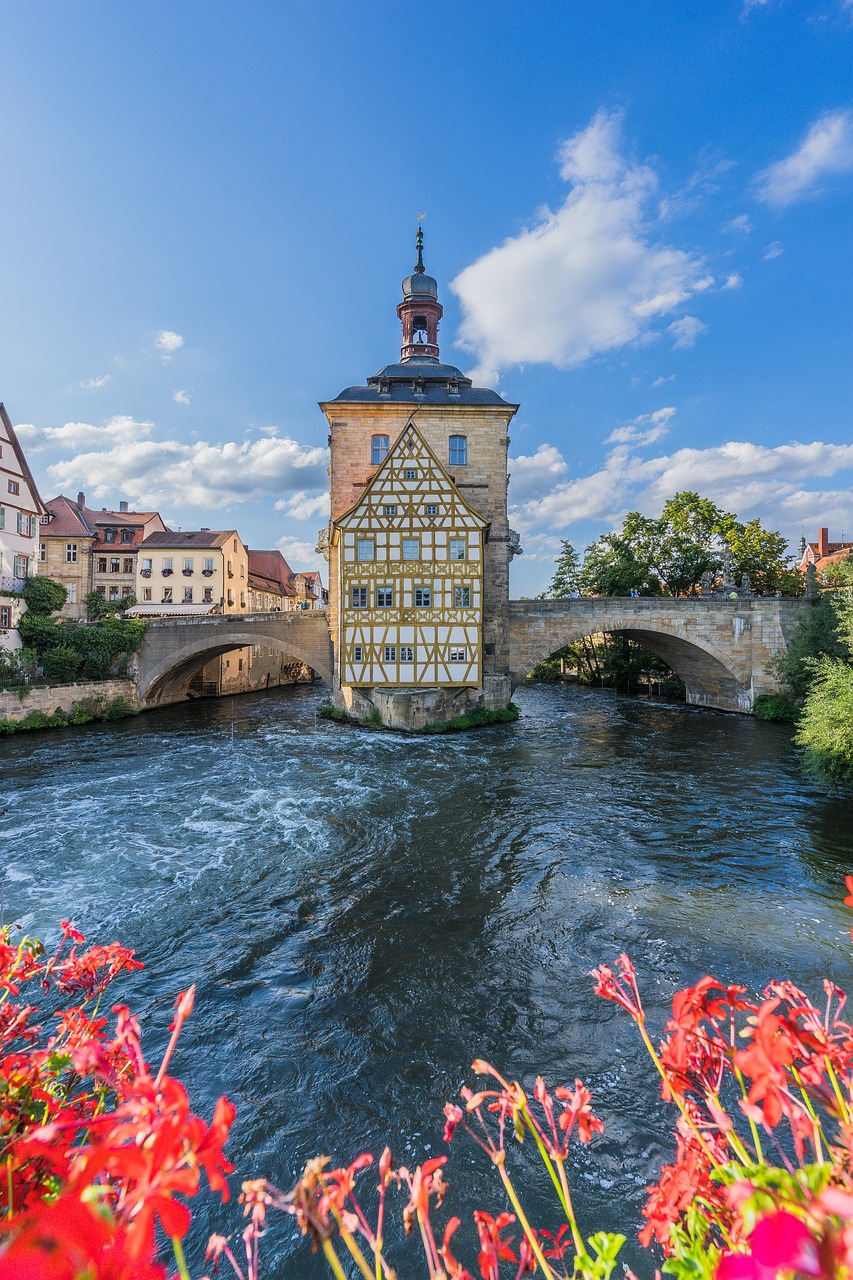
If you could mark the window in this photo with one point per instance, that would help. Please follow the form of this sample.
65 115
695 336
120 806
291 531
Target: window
167 564
113 594
127 564
127 535
365 549
462 597
26 525
230 570
110 535
242 599
391 510
5 616
102 564
390 653
411 549
208 565
208 595
384 597
115 564
230 597
358 597
423 597
407 653
411 473
14 487
72 592
235 545
42 552
188 564
356 653
126 592
2 517
378 449
167 595
457 549
146 593
431 509
70 552
458 655
188 595
458 452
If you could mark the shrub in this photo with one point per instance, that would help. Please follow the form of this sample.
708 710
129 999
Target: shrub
61 664
119 708
85 710
478 718
825 727
40 633
43 596
775 706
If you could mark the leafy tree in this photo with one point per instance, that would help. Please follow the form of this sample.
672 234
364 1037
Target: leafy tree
61 664
97 607
566 580
617 564
43 596
839 573
825 727
816 635
40 633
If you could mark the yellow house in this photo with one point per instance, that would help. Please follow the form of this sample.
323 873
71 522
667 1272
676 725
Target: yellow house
410 555
194 572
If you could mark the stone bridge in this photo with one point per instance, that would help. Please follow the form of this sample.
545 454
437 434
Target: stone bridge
719 648
174 649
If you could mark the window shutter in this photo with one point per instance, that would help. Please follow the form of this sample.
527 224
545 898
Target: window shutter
2 517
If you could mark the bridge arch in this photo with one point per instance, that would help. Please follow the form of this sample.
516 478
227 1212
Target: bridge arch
174 649
710 648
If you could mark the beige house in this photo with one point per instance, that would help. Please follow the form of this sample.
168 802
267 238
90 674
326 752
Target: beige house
195 572
88 550
20 510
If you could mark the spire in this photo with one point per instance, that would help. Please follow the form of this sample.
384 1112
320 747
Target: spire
419 265
420 310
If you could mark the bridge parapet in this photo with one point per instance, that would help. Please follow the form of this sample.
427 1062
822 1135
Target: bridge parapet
721 649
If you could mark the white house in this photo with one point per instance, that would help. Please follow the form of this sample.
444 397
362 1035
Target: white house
21 508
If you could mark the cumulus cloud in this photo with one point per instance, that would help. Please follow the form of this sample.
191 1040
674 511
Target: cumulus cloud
587 278
302 555
686 331
181 397
91 383
122 429
645 429
774 250
826 151
157 473
529 475
733 281
303 506
167 342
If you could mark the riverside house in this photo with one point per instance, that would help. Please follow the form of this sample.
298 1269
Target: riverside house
192 573
20 511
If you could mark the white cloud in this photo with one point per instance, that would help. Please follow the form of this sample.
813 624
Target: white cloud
120 430
659 382
531 474
749 5
741 224
826 150
774 250
645 429
733 281
686 331
181 397
91 383
586 279
157 473
301 555
167 341
304 506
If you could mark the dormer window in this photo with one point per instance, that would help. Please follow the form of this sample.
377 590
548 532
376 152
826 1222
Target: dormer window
419 331
385 388
419 387
453 387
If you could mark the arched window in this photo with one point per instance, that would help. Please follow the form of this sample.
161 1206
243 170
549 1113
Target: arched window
378 449
458 453
419 330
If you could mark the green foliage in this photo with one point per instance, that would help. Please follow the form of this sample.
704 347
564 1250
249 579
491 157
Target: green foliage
119 708
816 635
839 573
85 710
474 719
43 596
775 706
328 711
825 726
61 664
371 719
614 662
97 607
566 581
40 633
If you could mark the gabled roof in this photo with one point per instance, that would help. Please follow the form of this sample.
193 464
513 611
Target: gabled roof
200 539
22 461
66 518
408 440
272 566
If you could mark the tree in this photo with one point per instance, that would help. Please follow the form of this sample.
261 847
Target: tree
97 607
825 726
43 596
838 573
566 581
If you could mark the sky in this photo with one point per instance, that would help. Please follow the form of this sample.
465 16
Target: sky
639 215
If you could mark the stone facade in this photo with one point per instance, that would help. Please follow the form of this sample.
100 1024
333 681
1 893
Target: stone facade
52 697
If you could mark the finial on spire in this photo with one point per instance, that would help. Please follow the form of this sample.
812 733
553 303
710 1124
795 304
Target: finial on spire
419 265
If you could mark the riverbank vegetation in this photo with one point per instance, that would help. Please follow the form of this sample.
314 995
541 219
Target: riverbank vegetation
82 712
102 1155
58 651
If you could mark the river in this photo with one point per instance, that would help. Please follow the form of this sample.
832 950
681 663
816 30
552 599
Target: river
364 913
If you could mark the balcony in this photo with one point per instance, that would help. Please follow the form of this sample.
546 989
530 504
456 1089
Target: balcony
12 584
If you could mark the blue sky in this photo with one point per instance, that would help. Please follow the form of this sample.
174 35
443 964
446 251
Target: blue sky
639 216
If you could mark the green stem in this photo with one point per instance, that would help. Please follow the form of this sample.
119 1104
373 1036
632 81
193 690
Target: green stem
685 1114
753 1126
183 1270
836 1088
332 1259
546 1159
9 1185
525 1225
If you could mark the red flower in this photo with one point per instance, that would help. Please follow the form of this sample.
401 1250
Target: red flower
493 1250
577 1111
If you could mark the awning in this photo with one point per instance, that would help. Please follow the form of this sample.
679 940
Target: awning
176 610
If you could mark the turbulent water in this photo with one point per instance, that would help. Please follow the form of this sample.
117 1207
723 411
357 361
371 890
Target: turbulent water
364 913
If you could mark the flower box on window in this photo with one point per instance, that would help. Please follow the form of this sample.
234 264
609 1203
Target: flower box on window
207 573
188 573
167 573
145 573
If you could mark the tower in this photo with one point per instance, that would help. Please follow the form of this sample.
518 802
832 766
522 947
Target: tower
418 541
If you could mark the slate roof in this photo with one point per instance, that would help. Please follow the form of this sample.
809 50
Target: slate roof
201 539
442 384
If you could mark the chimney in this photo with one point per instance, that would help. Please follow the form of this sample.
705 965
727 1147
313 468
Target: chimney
823 542
122 506
81 499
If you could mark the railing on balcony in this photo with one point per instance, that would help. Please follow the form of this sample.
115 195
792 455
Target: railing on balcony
8 583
